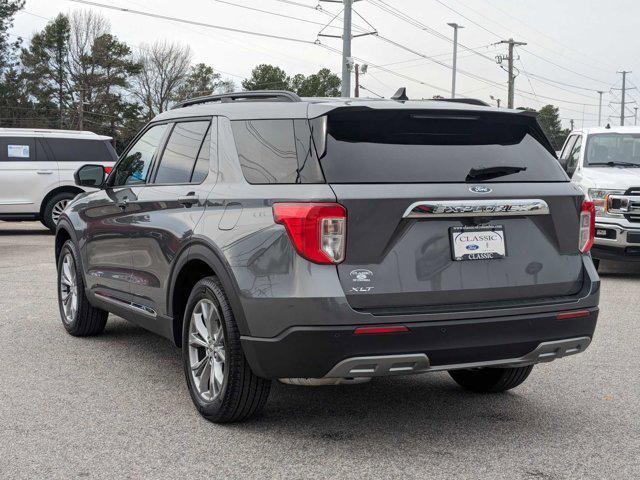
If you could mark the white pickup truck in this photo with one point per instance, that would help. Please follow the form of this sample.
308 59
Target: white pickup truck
605 163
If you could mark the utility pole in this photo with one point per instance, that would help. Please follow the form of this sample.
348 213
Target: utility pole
600 92
512 43
356 92
455 27
635 116
624 91
571 123
345 89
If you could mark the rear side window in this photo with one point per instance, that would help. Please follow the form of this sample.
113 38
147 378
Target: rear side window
422 146
17 149
79 150
201 169
180 154
277 151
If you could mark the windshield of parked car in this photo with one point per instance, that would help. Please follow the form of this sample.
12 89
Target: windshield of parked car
613 150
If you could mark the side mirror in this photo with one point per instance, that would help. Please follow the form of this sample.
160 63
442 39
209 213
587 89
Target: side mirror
90 176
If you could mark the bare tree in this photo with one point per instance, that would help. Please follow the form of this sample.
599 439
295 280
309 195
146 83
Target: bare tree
164 69
85 26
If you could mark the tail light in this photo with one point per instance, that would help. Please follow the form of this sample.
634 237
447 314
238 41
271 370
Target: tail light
107 170
587 226
317 230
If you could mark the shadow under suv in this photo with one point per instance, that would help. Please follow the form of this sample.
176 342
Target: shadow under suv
321 241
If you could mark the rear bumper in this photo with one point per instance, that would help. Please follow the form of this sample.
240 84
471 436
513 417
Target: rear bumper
316 352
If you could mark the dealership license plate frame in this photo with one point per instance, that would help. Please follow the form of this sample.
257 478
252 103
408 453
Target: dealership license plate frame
486 250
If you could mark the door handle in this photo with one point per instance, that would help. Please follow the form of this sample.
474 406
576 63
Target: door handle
189 200
44 172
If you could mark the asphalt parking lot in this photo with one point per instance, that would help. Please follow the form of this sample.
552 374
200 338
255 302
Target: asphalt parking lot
116 406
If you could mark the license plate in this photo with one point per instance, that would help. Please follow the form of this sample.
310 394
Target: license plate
477 243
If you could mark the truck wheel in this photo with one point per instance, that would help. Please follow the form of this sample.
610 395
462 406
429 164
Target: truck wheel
79 317
221 384
596 263
491 380
54 207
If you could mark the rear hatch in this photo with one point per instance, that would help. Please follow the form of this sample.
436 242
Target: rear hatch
450 208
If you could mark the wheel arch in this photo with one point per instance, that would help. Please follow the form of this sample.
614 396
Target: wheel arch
64 232
199 260
56 191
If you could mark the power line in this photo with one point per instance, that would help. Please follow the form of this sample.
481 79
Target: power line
246 7
193 22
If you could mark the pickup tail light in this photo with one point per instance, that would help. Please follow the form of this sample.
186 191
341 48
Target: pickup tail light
587 226
317 230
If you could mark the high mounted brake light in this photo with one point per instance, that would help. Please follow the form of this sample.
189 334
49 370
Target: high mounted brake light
107 170
317 230
587 226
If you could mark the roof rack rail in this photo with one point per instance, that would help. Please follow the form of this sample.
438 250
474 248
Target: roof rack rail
470 101
255 96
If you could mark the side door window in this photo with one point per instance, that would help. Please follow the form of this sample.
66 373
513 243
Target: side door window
574 156
134 167
181 154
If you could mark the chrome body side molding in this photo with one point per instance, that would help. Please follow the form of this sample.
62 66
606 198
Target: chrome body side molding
149 312
476 208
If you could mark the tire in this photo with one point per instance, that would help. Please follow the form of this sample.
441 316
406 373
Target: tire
79 317
54 207
239 394
491 380
596 263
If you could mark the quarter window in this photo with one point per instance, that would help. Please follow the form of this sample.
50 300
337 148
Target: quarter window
180 154
134 167
267 151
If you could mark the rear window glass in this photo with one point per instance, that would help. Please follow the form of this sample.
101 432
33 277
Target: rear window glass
434 147
276 151
79 150
180 154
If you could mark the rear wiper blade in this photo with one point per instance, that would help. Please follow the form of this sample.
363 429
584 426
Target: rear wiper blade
486 173
616 164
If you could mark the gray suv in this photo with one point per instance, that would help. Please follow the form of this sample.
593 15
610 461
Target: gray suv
324 241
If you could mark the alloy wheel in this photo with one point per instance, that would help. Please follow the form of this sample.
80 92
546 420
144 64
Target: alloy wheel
207 355
68 288
57 210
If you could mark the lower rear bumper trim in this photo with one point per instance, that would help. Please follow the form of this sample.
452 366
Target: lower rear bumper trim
385 365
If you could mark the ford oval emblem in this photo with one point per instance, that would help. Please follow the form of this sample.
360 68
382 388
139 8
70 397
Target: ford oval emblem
472 247
480 189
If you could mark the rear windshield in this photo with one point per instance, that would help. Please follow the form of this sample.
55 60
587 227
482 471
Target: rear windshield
420 146
80 150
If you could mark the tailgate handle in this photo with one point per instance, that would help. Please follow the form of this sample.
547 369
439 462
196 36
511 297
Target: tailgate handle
476 208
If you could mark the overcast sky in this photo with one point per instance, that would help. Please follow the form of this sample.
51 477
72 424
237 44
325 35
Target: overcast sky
579 43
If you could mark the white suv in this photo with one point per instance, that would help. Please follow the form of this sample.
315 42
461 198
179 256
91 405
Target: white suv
605 163
37 167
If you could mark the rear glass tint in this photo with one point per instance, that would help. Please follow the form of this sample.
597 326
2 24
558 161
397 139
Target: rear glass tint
181 152
79 150
277 151
400 146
